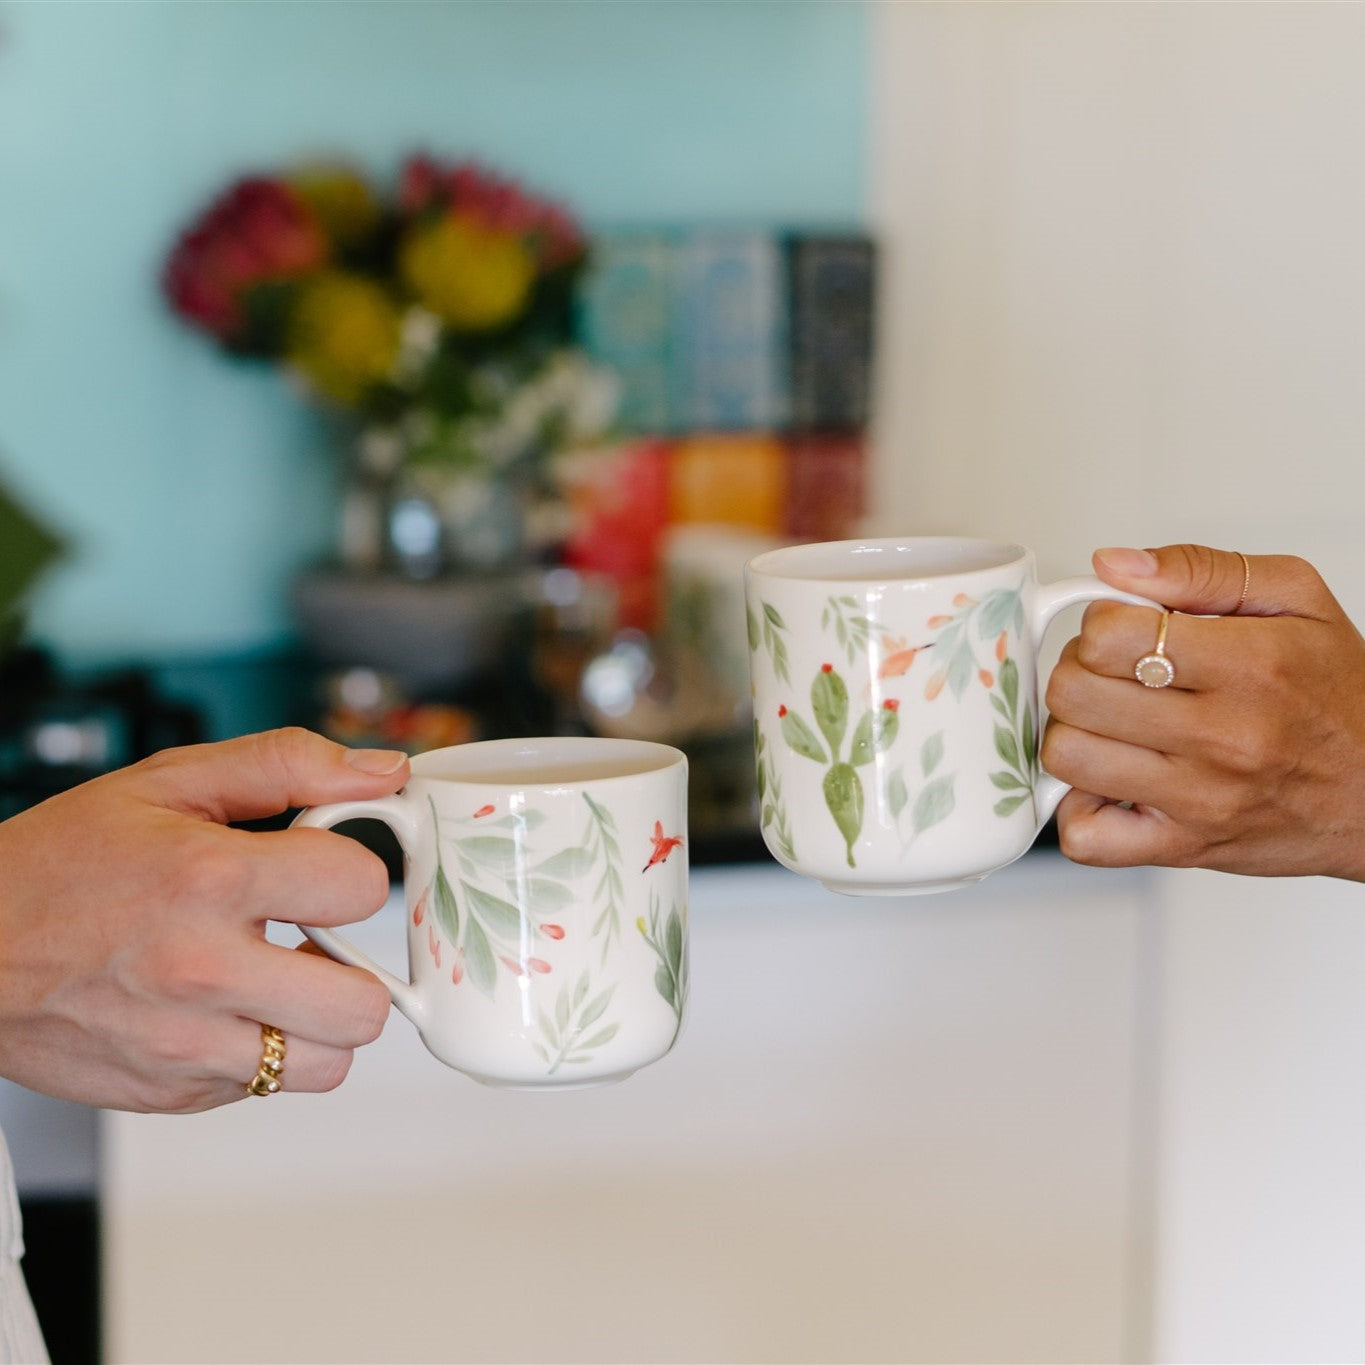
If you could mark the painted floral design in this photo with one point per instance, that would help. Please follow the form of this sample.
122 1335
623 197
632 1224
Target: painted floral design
562 1035
667 936
874 733
772 809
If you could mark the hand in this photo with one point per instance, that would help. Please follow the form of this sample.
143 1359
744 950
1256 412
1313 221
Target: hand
1252 761
134 967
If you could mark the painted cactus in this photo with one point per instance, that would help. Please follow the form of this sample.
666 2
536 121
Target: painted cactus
874 733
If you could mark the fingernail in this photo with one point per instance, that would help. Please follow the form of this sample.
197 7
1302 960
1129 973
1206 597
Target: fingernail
1131 563
376 762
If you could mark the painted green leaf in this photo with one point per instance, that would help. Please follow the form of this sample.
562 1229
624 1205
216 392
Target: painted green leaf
447 911
673 941
1007 805
897 794
829 701
1009 683
480 967
1001 709
755 638
562 1010
934 803
500 916
773 615
996 611
1030 743
545 894
802 738
595 1008
844 797
663 983
1006 781
547 1029
875 734
496 852
568 864
1007 747
961 668
602 1037
931 753
580 990
603 816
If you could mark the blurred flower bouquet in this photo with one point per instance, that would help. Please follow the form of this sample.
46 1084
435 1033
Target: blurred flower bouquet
438 322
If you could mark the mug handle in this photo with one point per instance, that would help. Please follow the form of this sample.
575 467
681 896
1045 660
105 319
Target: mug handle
1048 600
396 812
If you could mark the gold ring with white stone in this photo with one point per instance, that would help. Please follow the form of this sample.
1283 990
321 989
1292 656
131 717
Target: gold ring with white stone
268 1079
1155 669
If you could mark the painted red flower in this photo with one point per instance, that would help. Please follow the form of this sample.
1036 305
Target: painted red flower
555 931
891 704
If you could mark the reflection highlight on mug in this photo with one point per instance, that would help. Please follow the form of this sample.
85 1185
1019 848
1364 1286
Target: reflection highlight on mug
546 893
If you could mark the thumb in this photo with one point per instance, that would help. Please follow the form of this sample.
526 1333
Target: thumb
264 774
1207 582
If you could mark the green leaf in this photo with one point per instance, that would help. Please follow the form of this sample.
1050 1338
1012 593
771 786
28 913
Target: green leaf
547 1029
755 639
1007 805
595 1008
480 966
996 611
1009 683
673 941
961 667
802 738
545 894
1001 709
897 795
1030 743
602 1037
931 753
774 616
562 1012
876 733
1007 747
447 911
663 983
500 916
829 701
934 803
568 864
580 990
493 851
1007 781
844 797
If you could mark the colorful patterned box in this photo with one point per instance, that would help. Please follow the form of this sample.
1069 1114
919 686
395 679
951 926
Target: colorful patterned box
731 333
826 486
627 302
730 480
831 280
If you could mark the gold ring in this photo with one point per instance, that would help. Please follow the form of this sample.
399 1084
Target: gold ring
1155 669
267 1080
1246 584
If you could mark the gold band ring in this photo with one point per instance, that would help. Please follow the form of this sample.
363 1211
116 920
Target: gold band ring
1246 584
1155 669
267 1080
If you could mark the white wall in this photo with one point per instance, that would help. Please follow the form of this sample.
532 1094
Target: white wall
1126 284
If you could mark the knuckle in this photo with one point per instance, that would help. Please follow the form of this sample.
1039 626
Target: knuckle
181 975
211 873
1202 568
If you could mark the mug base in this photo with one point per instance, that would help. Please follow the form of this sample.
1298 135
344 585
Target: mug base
901 888
551 1083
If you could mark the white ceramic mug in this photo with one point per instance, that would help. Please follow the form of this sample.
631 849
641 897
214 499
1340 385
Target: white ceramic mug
546 892
896 707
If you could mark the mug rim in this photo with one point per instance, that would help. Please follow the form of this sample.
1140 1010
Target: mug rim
564 753
777 563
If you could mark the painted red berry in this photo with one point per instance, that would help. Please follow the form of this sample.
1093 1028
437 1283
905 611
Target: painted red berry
419 911
513 966
891 704
555 931
484 810
986 676
538 964
457 969
781 712
826 668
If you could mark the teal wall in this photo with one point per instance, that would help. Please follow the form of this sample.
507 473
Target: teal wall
192 488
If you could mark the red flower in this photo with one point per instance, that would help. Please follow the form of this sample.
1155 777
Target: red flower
891 704
555 931
781 711
259 231
826 668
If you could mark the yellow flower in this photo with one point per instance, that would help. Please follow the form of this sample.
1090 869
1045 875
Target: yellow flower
341 201
343 334
470 275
